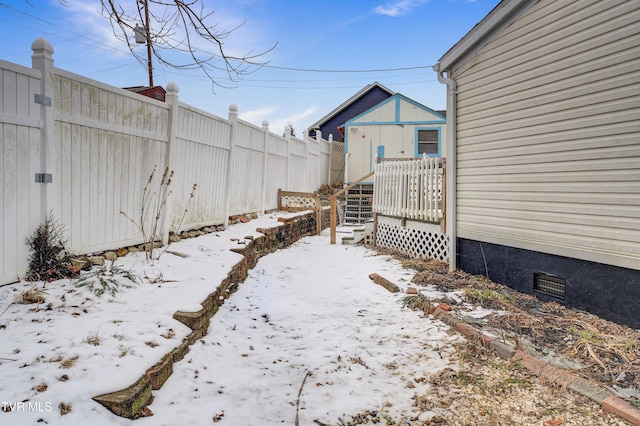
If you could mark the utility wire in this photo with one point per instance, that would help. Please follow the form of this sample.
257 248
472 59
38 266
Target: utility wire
106 47
347 71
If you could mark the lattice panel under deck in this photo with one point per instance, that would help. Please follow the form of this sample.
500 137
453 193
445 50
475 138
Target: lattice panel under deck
416 241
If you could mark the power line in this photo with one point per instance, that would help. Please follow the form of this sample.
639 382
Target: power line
91 42
346 71
328 87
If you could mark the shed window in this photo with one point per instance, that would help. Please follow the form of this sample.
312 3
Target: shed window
428 142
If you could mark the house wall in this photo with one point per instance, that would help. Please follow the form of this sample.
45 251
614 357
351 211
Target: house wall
98 146
393 124
548 158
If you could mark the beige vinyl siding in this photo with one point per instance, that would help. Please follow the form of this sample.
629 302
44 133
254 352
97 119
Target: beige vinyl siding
548 133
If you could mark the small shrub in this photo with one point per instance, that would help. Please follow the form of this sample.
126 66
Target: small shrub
49 259
107 279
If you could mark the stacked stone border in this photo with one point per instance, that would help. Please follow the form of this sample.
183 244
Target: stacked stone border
132 401
608 400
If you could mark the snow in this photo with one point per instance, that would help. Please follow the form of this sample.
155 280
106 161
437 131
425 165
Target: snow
308 334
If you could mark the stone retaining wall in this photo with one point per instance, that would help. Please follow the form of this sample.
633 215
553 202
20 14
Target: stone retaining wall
132 401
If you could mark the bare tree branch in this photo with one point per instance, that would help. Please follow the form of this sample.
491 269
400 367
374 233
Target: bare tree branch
177 29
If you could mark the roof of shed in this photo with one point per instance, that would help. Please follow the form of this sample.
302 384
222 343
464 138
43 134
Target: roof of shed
349 101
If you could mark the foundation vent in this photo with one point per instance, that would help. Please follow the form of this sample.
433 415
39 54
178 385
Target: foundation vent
550 285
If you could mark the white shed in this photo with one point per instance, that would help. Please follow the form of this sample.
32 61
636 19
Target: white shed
396 128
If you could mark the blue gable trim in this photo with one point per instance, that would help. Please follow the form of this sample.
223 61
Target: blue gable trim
373 123
397 98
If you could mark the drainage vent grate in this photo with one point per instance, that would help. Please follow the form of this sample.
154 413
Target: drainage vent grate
552 286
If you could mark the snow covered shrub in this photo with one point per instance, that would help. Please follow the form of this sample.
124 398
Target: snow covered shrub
49 259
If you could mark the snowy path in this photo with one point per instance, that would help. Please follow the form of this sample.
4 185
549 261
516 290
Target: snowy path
309 308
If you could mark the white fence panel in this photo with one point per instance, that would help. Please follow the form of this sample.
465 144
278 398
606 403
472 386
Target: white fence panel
109 142
19 161
277 174
247 169
200 155
410 189
100 144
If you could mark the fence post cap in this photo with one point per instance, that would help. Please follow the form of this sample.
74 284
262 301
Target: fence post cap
42 45
172 87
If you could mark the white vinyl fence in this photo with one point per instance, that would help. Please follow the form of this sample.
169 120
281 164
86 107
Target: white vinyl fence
410 189
84 151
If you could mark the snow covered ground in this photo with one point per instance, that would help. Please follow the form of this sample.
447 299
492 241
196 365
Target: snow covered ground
308 334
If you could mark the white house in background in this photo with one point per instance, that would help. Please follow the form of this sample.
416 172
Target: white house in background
396 128
543 161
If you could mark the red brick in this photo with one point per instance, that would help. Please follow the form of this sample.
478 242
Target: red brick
622 408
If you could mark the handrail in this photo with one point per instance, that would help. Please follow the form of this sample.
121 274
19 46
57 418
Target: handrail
333 203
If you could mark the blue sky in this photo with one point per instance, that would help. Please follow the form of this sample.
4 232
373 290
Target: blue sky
328 35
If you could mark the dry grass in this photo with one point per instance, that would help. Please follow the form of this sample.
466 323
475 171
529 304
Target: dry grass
64 408
69 362
610 352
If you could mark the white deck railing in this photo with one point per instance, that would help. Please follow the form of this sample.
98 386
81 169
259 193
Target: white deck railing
411 189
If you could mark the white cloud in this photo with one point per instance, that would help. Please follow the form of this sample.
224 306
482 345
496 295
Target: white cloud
398 8
299 121
85 18
256 116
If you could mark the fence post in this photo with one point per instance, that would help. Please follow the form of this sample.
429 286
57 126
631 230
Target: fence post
287 137
233 120
42 60
307 186
170 155
265 129
330 156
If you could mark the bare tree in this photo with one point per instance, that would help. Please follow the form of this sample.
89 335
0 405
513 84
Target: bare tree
180 26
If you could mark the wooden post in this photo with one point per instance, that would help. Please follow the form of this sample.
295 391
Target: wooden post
374 238
318 216
279 199
332 219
